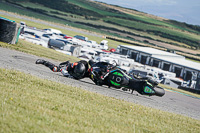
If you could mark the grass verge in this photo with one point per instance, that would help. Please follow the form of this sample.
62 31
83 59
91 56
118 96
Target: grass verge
31 104
180 90
38 50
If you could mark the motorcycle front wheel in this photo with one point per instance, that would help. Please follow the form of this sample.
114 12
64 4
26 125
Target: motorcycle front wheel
159 91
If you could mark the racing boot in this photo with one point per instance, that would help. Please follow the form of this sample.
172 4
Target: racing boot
48 64
39 61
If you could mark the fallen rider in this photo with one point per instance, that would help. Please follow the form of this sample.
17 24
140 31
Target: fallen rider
77 70
103 73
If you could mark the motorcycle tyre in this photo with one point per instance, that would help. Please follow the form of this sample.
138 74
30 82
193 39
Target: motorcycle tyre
159 91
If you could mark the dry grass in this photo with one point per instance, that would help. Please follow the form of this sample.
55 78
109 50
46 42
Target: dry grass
30 104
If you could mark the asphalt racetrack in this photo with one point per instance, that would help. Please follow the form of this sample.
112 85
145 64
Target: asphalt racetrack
171 102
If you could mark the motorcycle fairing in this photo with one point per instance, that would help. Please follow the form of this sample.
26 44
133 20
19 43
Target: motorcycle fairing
147 89
118 78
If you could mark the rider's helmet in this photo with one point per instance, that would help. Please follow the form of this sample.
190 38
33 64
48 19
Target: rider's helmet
79 70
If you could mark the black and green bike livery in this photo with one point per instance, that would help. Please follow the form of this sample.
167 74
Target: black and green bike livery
113 76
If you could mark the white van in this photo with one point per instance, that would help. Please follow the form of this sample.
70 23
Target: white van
104 44
50 30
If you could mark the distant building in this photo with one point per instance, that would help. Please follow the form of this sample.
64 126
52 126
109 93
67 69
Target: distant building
185 69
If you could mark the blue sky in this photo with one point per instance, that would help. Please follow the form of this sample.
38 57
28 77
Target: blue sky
181 10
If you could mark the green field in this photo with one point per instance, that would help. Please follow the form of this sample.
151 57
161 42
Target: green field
110 20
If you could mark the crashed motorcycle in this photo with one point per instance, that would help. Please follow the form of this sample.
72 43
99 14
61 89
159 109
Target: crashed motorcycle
103 73
113 76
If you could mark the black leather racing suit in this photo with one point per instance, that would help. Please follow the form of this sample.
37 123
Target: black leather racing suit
70 67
